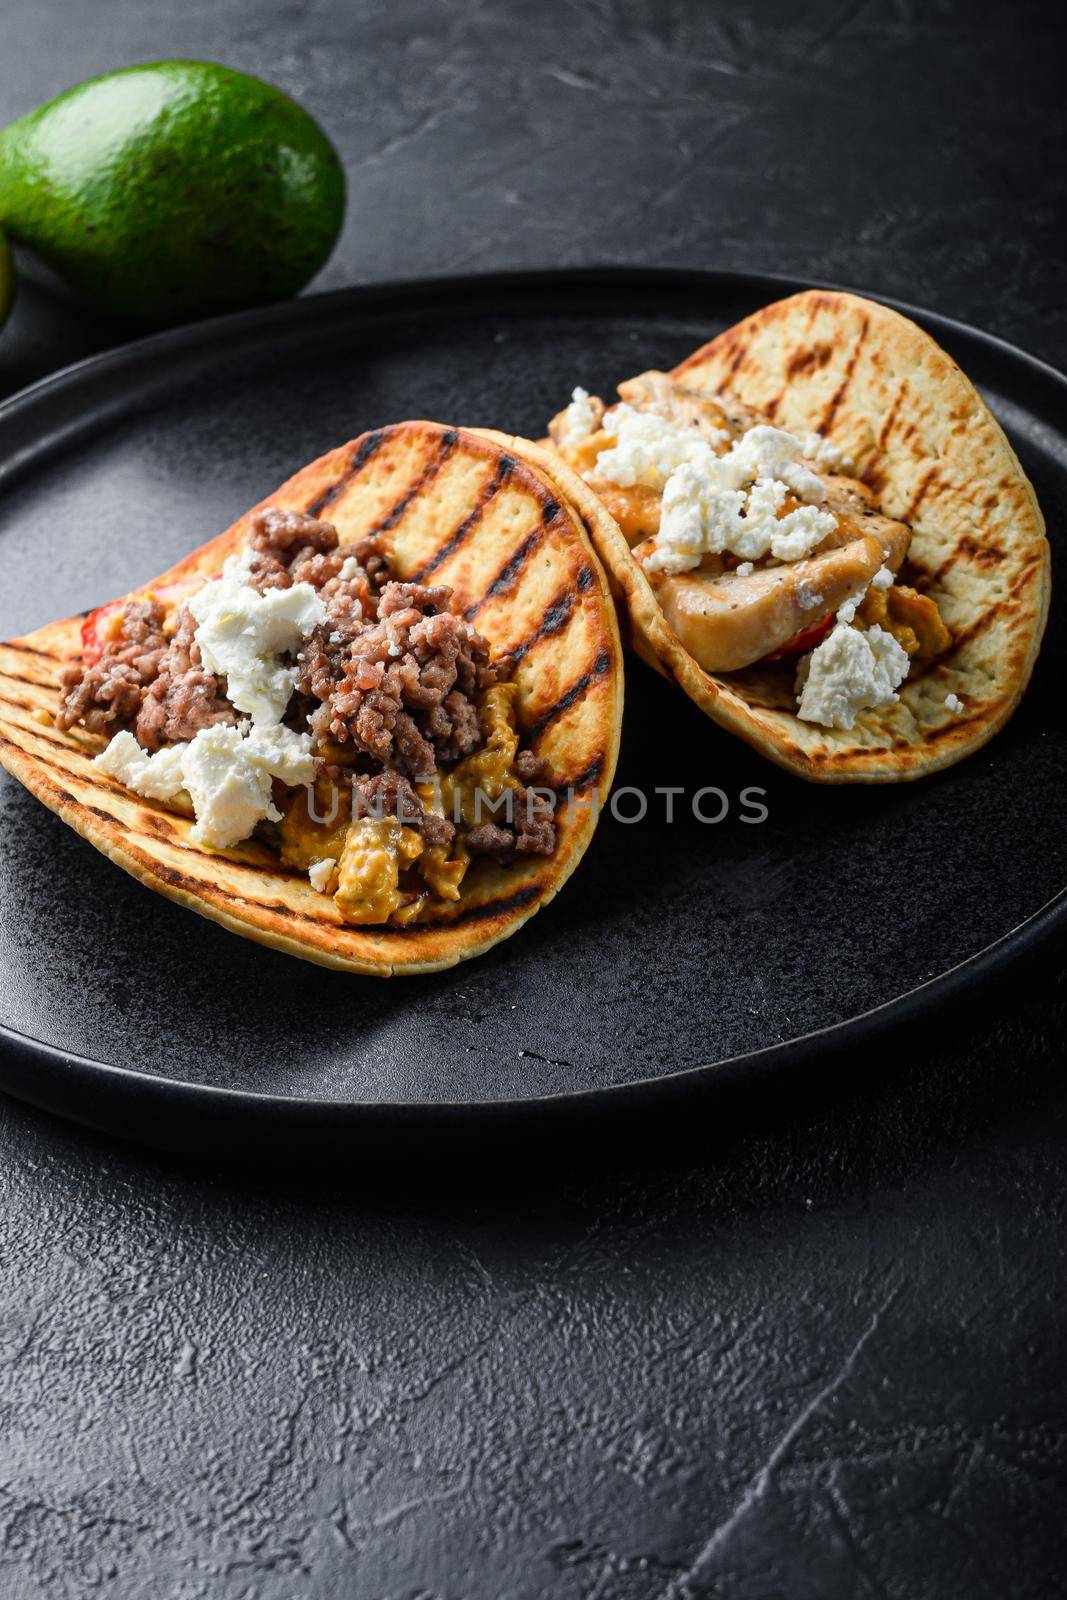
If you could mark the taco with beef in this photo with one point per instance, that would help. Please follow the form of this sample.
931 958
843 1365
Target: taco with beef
370 725
821 533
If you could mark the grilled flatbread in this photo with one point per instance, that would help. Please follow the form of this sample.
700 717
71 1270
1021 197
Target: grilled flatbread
919 435
505 526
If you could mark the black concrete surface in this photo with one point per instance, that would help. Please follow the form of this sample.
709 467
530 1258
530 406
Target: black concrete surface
810 1345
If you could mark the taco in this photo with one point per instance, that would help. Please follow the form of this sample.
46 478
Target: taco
370 725
820 532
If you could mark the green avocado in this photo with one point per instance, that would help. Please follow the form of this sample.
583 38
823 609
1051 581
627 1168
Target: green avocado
173 190
7 280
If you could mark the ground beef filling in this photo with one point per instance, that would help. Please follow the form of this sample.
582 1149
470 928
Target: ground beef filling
389 685
107 694
184 697
399 682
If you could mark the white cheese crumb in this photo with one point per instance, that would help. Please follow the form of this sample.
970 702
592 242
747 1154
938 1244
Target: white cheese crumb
239 565
714 503
285 753
228 775
808 597
350 568
225 771
580 418
765 452
157 777
850 672
241 634
321 872
883 578
847 612
744 568
647 448
703 514
953 702
822 452
230 793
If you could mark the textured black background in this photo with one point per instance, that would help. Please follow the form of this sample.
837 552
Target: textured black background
812 1347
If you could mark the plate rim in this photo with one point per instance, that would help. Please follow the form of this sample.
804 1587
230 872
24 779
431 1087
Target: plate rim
1023 943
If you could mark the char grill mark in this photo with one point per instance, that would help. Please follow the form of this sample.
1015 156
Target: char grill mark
571 696
32 650
890 417
417 485
482 913
364 450
587 778
500 476
508 572
920 494
735 361
842 389
552 622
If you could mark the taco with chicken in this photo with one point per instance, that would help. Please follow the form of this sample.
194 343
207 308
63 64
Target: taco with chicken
821 533
370 725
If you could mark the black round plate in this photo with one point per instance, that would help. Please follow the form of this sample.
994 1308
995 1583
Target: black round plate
680 952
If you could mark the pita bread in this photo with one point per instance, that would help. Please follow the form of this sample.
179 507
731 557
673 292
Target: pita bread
919 434
505 526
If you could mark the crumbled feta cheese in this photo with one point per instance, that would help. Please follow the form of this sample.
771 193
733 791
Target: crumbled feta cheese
850 672
808 597
744 568
350 568
847 612
796 534
285 753
765 452
953 702
580 418
157 777
239 565
883 578
702 515
647 448
241 634
230 792
228 773
822 452
321 872
714 503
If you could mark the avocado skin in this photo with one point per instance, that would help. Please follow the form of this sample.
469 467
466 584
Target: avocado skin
173 190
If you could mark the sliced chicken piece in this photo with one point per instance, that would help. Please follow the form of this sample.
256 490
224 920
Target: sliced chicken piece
727 621
855 508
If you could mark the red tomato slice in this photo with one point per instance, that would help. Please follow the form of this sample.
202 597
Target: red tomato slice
97 631
99 626
805 640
